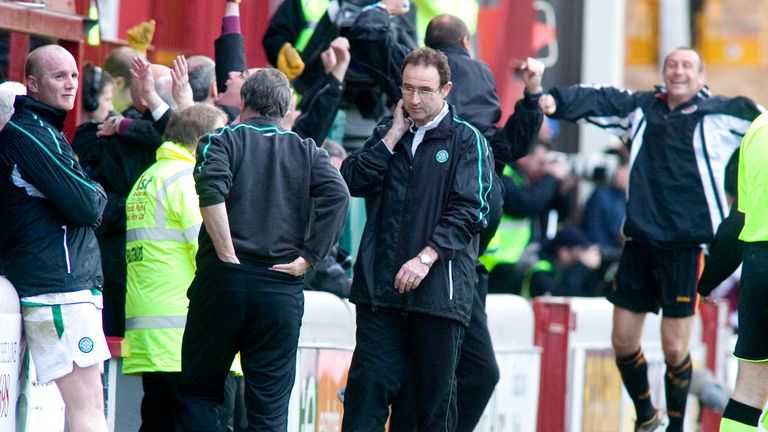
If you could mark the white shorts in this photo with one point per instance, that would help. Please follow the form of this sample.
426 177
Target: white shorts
58 335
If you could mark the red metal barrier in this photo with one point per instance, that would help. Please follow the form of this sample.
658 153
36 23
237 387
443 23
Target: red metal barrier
711 328
553 323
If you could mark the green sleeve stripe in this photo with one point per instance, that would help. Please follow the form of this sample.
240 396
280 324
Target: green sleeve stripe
482 144
58 320
56 161
273 129
53 136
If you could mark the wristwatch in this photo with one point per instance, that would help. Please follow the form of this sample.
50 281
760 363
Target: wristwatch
425 259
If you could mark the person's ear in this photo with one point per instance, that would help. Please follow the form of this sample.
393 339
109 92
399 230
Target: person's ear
32 84
119 83
213 91
465 42
447 88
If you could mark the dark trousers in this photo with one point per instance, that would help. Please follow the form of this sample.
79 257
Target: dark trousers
402 353
249 309
476 374
159 401
232 413
114 269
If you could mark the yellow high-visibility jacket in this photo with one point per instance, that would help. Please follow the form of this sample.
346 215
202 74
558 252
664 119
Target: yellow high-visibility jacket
163 221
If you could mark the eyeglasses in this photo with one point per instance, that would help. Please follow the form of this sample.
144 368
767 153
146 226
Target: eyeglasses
424 93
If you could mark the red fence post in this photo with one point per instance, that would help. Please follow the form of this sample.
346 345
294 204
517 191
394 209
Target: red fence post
553 320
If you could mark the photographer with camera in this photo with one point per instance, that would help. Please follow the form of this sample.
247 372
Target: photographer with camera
533 185
567 267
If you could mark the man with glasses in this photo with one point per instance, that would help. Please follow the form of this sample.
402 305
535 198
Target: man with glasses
426 177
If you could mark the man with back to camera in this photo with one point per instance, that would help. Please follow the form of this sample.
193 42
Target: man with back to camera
425 177
273 205
680 138
162 221
48 247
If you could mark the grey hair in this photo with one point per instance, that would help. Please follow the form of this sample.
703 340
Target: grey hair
202 72
267 92
8 92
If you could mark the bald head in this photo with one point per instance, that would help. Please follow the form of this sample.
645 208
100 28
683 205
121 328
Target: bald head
39 59
52 76
445 30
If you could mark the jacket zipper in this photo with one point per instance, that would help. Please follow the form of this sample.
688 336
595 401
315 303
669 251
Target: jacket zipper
450 279
66 249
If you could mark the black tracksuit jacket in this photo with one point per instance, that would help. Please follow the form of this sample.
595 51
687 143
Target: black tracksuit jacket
439 197
283 196
678 157
49 206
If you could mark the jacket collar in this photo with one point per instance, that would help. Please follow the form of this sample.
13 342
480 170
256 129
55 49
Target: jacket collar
46 112
262 121
451 49
171 150
444 129
704 93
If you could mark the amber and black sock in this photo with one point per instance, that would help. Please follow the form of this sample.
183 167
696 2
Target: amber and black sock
634 373
677 381
739 417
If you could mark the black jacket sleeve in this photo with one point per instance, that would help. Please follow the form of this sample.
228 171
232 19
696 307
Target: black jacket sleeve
230 57
725 253
161 123
59 177
318 109
213 176
514 140
284 26
365 169
374 46
330 199
142 134
608 108
529 201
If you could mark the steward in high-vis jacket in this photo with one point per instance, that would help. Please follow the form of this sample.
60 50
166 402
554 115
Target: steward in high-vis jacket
163 220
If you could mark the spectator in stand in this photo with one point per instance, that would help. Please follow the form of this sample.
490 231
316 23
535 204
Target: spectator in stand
603 216
568 267
202 78
533 186
247 294
604 211
161 262
675 202
319 104
48 248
